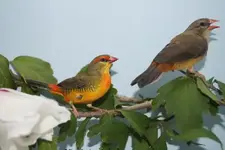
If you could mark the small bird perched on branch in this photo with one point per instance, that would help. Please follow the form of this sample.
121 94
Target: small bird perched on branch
87 86
183 52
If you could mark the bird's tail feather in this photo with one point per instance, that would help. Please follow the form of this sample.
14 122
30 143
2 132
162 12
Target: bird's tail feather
149 76
54 88
37 84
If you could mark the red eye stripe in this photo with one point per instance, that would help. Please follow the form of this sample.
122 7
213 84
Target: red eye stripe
98 59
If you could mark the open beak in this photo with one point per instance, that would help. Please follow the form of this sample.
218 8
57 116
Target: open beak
211 27
112 59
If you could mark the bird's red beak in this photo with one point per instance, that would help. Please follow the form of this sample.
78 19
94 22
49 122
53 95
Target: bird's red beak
112 59
211 27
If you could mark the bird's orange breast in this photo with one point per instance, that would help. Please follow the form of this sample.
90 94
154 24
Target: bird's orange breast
91 96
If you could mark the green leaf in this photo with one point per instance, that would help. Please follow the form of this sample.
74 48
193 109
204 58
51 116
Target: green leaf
96 129
151 137
47 145
6 79
152 132
115 132
185 101
210 81
32 147
63 131
137 120
73 125
194 134
112 131
108 100
67 129
205 90
213 109
160 143
34 68
118 103
26 89
80 134
221 86
106 146
157 102
139 143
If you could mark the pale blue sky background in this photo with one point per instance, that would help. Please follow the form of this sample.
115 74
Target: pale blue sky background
68 34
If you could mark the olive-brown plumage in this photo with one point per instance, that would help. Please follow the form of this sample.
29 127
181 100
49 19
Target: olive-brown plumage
183 51
87 86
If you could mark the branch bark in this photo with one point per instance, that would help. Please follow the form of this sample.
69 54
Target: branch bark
143 105
128 99
211 86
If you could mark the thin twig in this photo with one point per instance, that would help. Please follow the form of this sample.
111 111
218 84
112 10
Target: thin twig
146 104
128 99
221 102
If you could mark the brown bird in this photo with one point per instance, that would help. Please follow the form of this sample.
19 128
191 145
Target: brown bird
183 52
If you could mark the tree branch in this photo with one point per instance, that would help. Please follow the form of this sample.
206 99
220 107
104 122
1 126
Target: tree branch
146 104
128 99
140 103
211 86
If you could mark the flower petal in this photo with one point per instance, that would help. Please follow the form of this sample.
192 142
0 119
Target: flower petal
24 118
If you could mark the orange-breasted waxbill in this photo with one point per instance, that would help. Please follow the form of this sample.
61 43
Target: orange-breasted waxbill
87 86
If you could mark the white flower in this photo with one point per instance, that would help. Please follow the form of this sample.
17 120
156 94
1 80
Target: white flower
24 118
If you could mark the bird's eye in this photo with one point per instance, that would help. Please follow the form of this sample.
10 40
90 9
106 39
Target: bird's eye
202 24
103 60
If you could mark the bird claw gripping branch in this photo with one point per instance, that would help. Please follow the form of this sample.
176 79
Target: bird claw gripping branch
195 73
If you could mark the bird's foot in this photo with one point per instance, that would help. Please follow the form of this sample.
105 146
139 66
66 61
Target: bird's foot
97 109
74 110
200 75
196 73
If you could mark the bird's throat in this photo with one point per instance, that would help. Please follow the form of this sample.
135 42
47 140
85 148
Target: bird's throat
206 35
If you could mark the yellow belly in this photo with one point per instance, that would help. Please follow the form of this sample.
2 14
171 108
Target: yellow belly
91 96
187 64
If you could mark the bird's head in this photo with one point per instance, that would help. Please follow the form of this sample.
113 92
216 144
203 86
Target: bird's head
202 26
103 62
